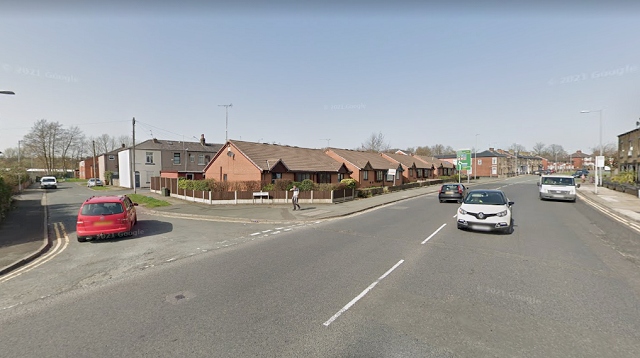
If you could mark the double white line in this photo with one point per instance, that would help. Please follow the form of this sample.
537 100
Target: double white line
60 246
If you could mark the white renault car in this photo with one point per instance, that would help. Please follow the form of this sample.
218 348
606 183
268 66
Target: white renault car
486 210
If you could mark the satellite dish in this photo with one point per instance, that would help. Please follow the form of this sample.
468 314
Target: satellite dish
230 153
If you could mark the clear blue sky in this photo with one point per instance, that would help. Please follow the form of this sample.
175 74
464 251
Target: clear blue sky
421 75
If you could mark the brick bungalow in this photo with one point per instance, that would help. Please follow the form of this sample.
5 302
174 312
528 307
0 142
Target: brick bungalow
369 169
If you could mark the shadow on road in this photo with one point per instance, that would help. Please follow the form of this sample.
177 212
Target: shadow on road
144 228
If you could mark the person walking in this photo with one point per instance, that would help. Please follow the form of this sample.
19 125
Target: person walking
294 198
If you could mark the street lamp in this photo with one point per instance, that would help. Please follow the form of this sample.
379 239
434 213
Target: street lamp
475 159
598 177
226 108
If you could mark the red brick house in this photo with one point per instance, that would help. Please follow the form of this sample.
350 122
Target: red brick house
249 161
414 169
369 169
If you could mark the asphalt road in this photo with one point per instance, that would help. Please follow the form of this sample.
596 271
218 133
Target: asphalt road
391 282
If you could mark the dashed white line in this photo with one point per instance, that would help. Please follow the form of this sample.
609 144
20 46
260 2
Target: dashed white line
353 301
256 233
265 231
434 233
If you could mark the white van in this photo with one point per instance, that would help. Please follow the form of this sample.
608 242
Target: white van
48 182
558 187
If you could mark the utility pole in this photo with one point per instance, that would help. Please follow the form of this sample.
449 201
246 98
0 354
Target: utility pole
93 175
327 141
19 174
226 127
133 153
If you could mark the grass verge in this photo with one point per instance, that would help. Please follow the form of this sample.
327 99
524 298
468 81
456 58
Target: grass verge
147 201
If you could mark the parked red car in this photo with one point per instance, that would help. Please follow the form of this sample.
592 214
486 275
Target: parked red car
106 217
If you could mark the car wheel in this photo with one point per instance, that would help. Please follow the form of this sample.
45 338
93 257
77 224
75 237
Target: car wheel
460 227
82 239
441 201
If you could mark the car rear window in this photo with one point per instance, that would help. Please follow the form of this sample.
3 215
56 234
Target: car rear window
102 209
450 187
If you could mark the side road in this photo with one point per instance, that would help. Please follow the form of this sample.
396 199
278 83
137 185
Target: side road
24 235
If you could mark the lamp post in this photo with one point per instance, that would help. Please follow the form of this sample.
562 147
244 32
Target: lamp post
475 159
19 177
226 108
598 175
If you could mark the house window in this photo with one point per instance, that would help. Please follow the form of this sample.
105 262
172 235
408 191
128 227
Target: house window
189 176
494 160
419 173
479 161
302 176
224 177
112 157
201 159
176 158
149 158
325 178
340 177
410 172
192 158
365 175
379 175
275 176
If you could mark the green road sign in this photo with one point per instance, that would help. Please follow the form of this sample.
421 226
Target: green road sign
464 159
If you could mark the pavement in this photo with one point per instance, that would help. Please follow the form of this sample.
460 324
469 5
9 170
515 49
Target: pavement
23 236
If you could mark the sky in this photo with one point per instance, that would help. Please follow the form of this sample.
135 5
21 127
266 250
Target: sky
317 74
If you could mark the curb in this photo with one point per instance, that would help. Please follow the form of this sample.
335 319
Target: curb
46 244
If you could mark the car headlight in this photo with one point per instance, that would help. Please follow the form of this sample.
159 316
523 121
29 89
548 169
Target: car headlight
502 213
462 211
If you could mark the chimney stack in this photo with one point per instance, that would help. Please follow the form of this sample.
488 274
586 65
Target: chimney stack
202 141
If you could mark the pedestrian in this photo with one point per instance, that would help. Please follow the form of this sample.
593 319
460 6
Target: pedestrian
582 176
294 198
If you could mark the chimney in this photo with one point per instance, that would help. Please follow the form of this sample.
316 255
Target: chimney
491 150
123 145
202 139
155 140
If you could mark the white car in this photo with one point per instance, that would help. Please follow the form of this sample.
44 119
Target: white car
48 182
485 210
94 182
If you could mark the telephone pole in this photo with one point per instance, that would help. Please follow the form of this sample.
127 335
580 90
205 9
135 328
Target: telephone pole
133 154
226 126
93 174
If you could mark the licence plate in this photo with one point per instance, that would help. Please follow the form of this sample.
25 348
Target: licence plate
103 223
480 228
448 192
558 195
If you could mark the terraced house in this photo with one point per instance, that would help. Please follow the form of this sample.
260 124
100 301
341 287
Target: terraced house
369 169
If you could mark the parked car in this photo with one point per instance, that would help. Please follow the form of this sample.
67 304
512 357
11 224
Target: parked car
94 182
486 210
48 182
106 217
578 173
558 187
449 192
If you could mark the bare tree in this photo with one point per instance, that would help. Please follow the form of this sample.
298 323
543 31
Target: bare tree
69 139
123 139
538 148
515 147
424 151
375 143
554 151
40 142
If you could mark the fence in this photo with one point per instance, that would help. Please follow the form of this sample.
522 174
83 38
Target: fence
169 186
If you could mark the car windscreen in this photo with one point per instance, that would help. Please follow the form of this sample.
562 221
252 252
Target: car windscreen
102 209
48 180
485 198
557 181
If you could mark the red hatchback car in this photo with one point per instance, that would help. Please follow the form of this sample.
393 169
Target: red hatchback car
106 217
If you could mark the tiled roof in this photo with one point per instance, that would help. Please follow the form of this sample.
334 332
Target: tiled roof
408 161
296 159
435 161
361 158
161 144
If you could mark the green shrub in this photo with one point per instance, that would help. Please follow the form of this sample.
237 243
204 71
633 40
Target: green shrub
306 185
349 183
283 184
624 178
198 185
269 187
325 187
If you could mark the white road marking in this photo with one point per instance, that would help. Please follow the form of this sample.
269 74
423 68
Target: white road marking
256 233
287 229
279 228
345 308
434 233
265 231
60 234
275 232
